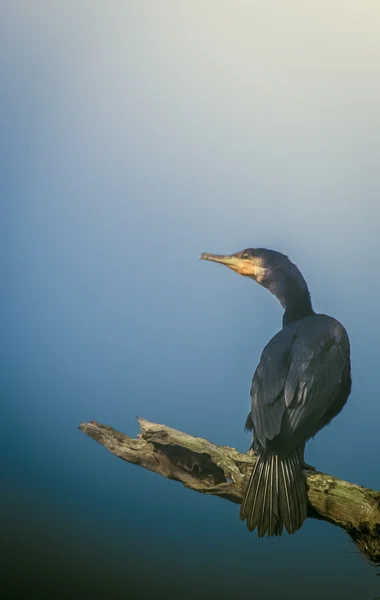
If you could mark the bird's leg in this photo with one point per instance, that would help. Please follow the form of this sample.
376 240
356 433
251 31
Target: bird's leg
307 467
303 463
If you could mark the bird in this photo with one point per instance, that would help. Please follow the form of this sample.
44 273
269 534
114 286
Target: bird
302 381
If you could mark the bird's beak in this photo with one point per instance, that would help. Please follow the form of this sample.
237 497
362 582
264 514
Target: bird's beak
232 261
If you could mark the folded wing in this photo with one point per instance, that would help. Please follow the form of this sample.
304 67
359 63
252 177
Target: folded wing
300 383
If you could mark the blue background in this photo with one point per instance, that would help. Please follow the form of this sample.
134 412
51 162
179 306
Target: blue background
134 136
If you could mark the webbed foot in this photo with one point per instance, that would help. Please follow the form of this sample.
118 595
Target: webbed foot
307 467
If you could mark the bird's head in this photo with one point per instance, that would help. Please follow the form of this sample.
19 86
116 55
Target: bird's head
269 268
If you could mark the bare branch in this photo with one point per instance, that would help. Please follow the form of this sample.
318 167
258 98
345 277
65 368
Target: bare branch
221 471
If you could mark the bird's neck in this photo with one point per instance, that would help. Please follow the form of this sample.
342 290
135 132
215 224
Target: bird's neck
294 297
294 311
297 304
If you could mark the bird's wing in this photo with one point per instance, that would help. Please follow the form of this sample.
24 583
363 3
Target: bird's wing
316 386
268 385
297 385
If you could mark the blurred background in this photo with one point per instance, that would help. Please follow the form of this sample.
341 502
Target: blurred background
134 136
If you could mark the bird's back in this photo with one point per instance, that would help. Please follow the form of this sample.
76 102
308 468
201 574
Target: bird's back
301 382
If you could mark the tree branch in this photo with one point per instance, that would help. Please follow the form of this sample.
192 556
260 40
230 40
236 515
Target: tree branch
221 471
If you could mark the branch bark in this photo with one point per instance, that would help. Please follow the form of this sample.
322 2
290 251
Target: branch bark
221 471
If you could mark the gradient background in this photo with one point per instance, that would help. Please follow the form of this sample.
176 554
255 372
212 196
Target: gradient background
135 135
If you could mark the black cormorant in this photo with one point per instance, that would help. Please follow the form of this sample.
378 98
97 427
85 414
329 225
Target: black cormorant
302 381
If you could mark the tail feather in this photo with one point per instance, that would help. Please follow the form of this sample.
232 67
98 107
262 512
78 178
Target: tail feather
301 491
272 509
300 488
255 498
264 522
293 499
278 523
276 496
287 514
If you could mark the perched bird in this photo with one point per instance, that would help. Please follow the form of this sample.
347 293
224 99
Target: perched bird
302 381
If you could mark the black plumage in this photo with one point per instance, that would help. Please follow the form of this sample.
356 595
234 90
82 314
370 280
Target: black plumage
302 381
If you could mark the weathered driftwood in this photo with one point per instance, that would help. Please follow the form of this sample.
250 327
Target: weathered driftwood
221 471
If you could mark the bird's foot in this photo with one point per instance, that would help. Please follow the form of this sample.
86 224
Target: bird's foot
307 467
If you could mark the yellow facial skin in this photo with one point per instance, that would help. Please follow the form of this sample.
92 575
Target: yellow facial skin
249 267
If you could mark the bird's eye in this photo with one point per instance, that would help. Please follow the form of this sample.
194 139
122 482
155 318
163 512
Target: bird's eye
245 255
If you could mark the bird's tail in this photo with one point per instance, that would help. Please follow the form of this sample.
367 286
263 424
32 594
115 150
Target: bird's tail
276 495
